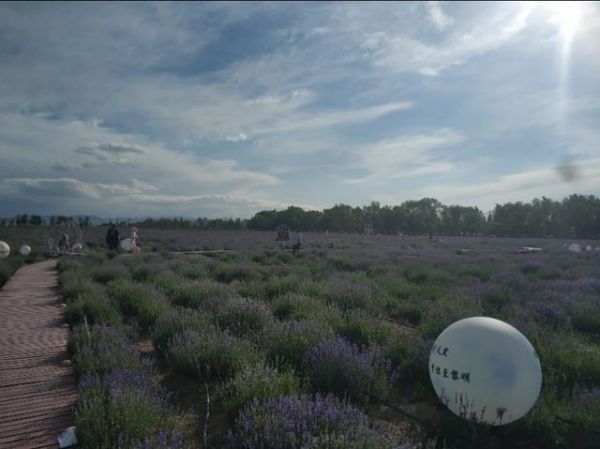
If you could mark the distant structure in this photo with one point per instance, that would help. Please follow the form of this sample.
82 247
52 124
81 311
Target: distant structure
67 236
369 229
283 235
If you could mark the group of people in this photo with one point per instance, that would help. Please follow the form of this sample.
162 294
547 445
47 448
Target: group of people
113 240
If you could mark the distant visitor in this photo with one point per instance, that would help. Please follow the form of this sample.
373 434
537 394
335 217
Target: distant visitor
112 238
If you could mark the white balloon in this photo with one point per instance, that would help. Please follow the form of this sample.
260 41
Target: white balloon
4 250
126 245
25 250
485 370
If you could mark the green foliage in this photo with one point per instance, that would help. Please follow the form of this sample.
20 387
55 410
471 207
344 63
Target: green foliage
260 382
209 353
176 322
138 300
287 342
294 306
110 272
101 349
244 317
360 328
95 308
8 267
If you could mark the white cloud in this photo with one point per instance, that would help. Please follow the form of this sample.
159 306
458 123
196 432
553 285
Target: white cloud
40 146
403 53
409 155
521 186
238 138
70 187
436 16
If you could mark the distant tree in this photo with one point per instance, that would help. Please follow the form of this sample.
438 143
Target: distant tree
35 220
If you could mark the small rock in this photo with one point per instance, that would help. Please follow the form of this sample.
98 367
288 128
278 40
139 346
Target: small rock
66 362
67 438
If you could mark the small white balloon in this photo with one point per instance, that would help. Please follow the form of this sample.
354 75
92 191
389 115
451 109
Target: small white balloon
126 245
485 370
25 250
4 250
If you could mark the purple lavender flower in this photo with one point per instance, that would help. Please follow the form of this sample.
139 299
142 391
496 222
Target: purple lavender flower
339 367
291 422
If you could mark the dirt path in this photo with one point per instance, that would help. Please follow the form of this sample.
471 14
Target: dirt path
36 393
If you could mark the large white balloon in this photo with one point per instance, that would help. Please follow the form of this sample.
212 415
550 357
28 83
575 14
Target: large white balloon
4 250
126 245
25 250
485 370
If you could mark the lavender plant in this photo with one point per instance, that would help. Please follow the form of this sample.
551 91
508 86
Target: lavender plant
138 300
209 353
122 409
102 349
260 382
342 368
177 321
287 342
304 422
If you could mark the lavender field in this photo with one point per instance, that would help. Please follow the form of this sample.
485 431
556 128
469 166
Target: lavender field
327 348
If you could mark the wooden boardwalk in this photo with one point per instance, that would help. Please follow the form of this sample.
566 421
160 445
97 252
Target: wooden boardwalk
36 393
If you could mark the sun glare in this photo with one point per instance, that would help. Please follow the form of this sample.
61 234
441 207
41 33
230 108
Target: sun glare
567 15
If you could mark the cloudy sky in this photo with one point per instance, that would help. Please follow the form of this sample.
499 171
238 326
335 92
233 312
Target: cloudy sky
221 110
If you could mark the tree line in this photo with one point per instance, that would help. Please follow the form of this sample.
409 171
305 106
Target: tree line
577 216
37 220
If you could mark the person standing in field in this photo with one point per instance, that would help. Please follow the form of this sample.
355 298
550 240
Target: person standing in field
112 237
64 244
296 242
133 238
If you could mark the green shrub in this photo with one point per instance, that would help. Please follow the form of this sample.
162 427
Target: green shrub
277 286
110 272
189 294
294 306
123 409
101 349
483 272
96 308
342 368
176 322
243 316
287 342
141 301
168 282
360 328
258 382
209 354
241 271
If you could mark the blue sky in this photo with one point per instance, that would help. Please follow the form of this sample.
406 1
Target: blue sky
225 109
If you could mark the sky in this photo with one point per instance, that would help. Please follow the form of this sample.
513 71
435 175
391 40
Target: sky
225 109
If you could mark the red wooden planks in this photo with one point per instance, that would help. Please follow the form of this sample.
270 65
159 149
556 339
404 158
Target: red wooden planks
37 394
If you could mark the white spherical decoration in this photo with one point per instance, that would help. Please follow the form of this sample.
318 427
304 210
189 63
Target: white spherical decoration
126 245
25 250
4 250
485 370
